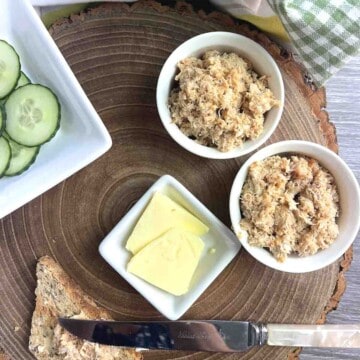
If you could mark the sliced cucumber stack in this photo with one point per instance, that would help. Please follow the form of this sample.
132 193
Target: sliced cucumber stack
5 155
9 68
32 115
22 157
29 115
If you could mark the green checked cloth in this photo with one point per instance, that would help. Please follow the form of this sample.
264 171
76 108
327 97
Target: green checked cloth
324 33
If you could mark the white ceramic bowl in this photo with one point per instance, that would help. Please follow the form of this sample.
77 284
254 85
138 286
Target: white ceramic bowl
349 219
229 42
219 237
82 136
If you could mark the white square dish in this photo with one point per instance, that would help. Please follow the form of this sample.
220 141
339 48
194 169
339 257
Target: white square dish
219 237
82 136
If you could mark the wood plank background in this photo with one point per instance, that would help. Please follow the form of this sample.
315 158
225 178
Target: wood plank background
343 105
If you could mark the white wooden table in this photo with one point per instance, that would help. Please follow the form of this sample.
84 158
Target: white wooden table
343 105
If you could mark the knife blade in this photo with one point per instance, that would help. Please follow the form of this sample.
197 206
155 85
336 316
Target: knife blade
210 335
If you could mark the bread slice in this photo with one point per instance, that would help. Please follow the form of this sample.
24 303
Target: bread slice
58 295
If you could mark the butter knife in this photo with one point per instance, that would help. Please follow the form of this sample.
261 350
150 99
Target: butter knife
211 335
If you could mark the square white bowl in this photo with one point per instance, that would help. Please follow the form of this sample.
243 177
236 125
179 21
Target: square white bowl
82 136
219 237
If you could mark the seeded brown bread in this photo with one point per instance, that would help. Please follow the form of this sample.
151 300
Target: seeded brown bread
58 295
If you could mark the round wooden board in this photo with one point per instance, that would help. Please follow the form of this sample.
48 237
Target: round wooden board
116 51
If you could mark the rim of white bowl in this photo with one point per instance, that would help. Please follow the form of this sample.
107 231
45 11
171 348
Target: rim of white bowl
343 170
176 133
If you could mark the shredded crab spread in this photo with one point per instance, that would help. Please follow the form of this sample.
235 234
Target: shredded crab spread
220 101
289 205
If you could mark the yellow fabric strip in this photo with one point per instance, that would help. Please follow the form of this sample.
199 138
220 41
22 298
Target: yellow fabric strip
272 25
50 17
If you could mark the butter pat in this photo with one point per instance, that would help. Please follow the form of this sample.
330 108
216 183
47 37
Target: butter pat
169 262
161 215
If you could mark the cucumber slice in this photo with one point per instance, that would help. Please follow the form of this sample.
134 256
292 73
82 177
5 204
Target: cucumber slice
22 157
9 68
5 155
32 115
23 80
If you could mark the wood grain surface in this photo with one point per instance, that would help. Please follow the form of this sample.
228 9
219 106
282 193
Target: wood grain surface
116 52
